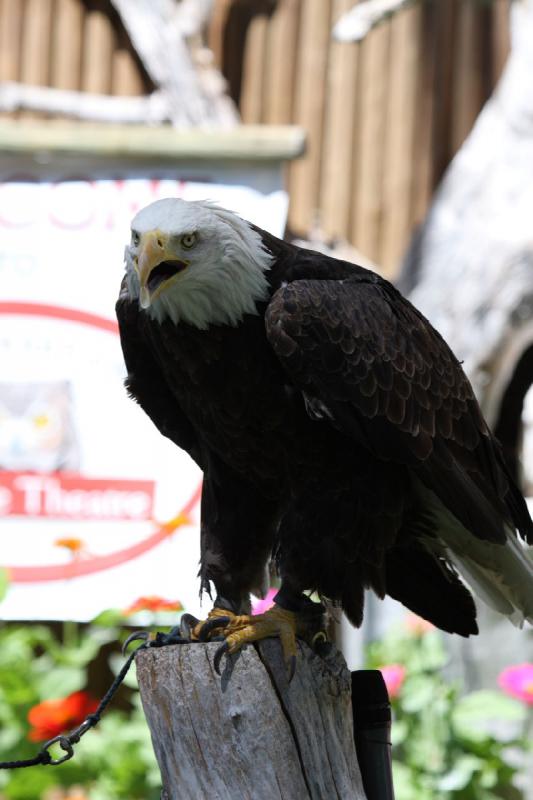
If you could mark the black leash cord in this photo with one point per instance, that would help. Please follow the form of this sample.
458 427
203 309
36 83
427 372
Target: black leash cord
67 741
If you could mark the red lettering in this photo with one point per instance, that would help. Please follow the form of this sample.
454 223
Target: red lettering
69 496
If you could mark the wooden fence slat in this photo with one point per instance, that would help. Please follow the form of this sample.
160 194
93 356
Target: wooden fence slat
215 32
97 52
424 112
126 78
35 65
444 19
252 91
467 80
309 110
66 45
35 46
368 206
339 133
281 62
399 152
500 39
10 34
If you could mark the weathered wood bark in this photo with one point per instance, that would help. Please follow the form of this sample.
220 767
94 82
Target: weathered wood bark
249 735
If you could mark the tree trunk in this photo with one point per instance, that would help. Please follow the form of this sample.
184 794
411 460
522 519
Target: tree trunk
470 270
249 735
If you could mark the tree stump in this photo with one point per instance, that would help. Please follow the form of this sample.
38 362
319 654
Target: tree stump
249 735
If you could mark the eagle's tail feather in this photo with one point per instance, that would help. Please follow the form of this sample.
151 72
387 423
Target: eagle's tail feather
501 575
429 587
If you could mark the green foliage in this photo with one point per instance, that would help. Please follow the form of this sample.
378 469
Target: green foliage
447 744
114 761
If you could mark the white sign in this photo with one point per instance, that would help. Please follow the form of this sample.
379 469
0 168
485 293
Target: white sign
96 507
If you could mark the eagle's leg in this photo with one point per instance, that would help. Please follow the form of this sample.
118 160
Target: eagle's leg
292 616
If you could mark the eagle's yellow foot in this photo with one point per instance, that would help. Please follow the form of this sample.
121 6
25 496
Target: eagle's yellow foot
196 630
277 621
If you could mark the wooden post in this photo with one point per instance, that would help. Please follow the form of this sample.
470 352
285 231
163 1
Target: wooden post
249 735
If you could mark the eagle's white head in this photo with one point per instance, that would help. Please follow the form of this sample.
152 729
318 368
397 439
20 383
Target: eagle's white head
195 262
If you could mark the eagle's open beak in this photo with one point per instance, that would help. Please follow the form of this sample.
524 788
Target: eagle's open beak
156 265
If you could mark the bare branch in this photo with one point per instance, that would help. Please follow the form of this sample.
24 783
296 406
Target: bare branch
354 26
157 31
193 15
152 108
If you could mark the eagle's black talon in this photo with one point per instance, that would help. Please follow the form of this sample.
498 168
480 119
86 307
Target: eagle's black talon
320 644
175 636
136 636
187 623
323 648
291 669
224 647
211 625
172 637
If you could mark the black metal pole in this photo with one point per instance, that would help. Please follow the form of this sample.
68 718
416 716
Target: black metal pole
372 732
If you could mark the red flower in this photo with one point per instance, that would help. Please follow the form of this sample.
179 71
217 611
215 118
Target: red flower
394 676
153 603
518 682
53 717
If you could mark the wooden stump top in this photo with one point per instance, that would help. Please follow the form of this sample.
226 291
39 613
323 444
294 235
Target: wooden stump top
249 735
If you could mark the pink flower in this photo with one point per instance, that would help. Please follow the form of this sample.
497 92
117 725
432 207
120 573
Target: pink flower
518 682
417 625
260 606
394 676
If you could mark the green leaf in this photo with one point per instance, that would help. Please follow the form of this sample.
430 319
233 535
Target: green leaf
61 681
109 618
399 732
405 783
4 582
487 714
460 775
417 692
116 662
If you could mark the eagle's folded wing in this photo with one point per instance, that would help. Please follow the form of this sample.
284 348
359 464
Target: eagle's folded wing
368 362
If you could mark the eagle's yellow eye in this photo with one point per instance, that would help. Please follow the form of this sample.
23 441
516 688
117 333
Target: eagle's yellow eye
188 240
135 238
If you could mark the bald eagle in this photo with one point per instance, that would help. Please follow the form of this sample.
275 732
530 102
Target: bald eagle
335 429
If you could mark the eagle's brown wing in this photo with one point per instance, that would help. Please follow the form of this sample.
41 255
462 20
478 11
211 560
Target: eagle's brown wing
365 358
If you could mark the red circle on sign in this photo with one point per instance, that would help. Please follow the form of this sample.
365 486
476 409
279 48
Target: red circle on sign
91 564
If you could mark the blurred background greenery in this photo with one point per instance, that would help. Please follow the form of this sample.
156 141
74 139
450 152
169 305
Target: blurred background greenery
447 743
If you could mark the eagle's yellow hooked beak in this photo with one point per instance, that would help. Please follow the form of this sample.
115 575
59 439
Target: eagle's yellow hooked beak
154 252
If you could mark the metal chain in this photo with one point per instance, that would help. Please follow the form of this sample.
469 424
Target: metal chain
67 741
